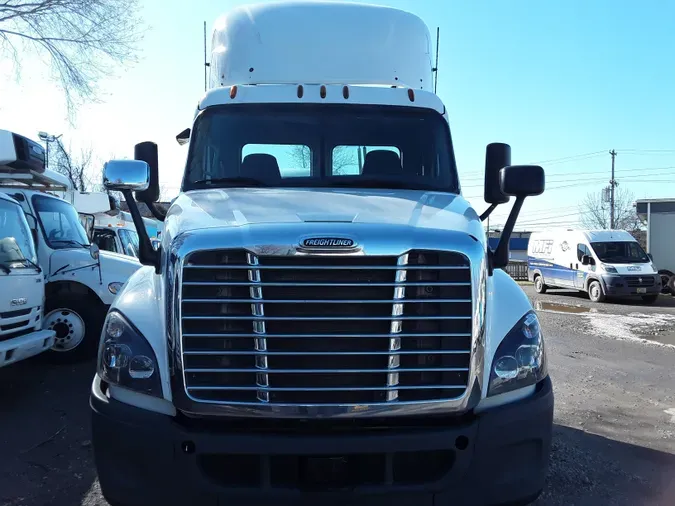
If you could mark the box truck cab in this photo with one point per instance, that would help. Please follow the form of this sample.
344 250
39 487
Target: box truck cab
115 234
22 287
80 281
323 322
600 262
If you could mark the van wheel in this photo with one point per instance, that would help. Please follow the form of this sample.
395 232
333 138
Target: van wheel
77 324
651 298
666 279
595 292
539 285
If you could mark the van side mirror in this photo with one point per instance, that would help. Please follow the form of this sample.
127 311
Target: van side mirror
497 156
147 152
586 260
651 257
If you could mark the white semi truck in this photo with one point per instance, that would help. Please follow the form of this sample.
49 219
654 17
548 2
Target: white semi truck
80 282
324 322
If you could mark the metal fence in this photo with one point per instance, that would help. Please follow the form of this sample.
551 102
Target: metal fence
517 270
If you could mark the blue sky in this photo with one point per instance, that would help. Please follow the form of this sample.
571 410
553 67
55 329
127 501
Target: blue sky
554 79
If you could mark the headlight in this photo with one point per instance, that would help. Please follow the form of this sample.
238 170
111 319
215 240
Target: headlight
609 269
520 360
126 358
115 287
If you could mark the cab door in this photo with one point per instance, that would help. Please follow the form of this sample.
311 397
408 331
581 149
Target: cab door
580 270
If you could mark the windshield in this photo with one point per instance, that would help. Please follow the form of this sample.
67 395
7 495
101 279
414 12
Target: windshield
324 146
16 244
129 239
60 223
620 252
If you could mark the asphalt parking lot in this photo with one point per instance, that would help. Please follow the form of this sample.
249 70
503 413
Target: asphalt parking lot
613 367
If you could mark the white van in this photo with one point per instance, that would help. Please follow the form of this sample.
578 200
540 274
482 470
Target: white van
600 262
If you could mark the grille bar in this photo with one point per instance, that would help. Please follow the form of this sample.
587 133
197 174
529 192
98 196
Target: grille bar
396 328
319 353
329 371
328 267
325 318
321 336
312 283
329 389
327 301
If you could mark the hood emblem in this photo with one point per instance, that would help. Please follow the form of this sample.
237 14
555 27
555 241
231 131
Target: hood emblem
328 242
18 302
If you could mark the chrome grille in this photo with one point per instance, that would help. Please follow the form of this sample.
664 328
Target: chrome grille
340 329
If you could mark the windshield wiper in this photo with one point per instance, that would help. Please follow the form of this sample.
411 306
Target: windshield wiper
29 262
5 268
234 181
70 241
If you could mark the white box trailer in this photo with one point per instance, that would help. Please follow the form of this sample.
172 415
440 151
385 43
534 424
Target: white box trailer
659 216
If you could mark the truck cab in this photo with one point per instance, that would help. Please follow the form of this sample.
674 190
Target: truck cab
23 288
80 281
323 321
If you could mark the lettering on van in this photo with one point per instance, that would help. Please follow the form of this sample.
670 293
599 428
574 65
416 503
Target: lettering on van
542 246
328 242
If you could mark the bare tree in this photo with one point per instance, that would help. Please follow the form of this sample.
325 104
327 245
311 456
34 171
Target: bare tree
343 156
595 212
77 168
83 40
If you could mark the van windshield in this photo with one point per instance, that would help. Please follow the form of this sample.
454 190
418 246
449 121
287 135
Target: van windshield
620 252
16 243
321 146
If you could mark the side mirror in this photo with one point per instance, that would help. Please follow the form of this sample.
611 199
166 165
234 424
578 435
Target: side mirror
183 137
147 152
585 260
94 251
497 156
120 175
651 257
522 180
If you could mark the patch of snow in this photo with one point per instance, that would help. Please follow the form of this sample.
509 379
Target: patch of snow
625 327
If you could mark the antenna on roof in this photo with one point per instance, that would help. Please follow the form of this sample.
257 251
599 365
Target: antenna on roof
435 69
206 63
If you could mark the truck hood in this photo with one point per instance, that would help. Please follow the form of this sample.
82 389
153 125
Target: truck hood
66 263
237 207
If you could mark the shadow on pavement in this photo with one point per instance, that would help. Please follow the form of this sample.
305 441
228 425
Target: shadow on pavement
587 469
45 446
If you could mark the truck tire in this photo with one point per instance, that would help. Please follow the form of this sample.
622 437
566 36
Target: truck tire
77 323
666 278
651 298
595 291
539 285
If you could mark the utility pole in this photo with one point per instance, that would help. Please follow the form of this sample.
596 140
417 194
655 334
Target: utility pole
612 184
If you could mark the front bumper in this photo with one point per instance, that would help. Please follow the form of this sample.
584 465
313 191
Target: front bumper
617 285
499 456
26 346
